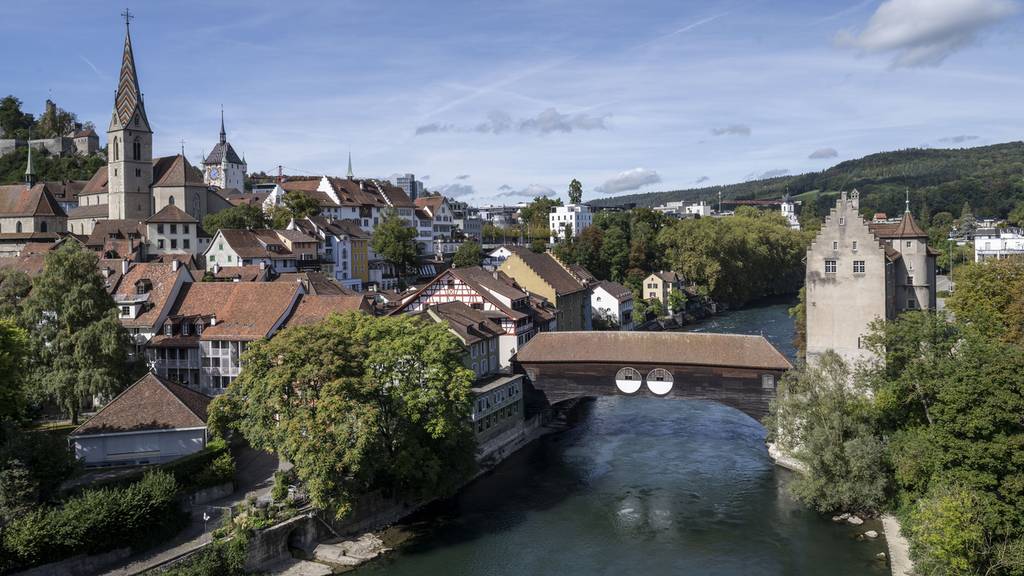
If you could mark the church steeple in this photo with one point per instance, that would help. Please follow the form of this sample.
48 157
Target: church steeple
128 100
223 133
349 174
30 175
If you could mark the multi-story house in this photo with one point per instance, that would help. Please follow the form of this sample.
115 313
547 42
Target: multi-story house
659 285
344 248
172 231
613 303
466 220
366 201
28 213
858 272
574 218
494 294
144 293
998 243
279 250
543 275
210 325
477 331
424 232
440 213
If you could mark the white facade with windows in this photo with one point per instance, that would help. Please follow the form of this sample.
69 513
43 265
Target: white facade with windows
573 217
998 243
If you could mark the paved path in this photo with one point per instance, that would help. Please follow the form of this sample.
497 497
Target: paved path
899 548
254 472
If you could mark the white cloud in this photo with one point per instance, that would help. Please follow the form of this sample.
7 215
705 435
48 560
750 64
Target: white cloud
629 180
732 130
823 153
925 32
456 190
546 122
531 191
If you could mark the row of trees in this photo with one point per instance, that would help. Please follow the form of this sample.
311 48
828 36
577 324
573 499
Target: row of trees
251 216
931 428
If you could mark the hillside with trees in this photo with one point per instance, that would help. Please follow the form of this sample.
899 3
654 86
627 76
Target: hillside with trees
18 124
989 178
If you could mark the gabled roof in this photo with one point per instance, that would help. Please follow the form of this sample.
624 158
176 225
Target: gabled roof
159 279
905 228
431 203
545 266
243 310
99 211
216 155
316 283
615 290
172 214
669 276
256 243
85 133
97 184
175 171
151 403
105 230
469 324
315 308
67 190
30 264
250 273
20 200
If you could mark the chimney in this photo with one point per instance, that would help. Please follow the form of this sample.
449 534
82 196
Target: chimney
216 269
213 320
125 263
263 265
175 265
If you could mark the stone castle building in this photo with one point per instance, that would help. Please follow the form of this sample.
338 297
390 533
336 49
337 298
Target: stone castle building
858 271
134 185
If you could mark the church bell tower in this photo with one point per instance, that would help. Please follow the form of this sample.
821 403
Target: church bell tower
130 144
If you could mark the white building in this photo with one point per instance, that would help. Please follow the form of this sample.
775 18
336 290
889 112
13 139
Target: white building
789 213
336 247
172 231
998 243
574 217
223 168
682 209
612 302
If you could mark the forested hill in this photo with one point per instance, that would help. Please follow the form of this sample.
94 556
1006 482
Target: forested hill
990 178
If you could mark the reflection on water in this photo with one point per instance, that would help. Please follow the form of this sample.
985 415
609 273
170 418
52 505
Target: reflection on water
641 486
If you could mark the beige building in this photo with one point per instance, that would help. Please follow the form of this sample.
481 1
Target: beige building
659 285
171 231
543 275
859 271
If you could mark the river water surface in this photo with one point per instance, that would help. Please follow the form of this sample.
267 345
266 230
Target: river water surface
640 486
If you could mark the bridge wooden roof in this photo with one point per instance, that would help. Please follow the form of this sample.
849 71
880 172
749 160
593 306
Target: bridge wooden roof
679 348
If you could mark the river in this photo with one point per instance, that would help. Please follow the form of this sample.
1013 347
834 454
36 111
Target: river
640 486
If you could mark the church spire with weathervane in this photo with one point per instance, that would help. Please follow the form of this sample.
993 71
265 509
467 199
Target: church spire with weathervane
30 174
223 133
350 174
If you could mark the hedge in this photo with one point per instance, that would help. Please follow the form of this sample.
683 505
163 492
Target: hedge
96 521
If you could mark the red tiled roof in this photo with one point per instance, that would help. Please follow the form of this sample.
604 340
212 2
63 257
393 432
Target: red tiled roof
151 403
97 184
31 264
175 171
160 278
469 324
20 200
173 214
312 309
243 310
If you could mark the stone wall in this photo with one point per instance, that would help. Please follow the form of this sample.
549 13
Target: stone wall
81 565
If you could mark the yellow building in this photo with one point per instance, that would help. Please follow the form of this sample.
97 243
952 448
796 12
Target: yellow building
541 274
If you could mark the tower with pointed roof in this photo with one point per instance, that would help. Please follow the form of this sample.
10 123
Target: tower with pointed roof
222 167
30 174
130 144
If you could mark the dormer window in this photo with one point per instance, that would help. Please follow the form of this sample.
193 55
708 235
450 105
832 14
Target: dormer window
184 329
143 286
168 329
199 328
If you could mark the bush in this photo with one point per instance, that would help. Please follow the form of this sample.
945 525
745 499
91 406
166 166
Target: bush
97 521
220 559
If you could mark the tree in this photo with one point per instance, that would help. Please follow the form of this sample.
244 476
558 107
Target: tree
358 403
13 122
588 252
575 192
948 531
18 492
535 216
301 205
243 217
821 415
615 253
395 242
13 352
538 246
1016 216
990 295
799 315
14 287
468 254
78 344
676 301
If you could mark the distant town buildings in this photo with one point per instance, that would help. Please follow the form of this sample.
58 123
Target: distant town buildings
408 182
684 209
571 219
998 243
860 271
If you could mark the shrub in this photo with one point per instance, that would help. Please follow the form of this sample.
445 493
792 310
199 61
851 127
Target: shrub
225 558
97 521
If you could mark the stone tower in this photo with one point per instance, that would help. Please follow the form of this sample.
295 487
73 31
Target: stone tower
130 142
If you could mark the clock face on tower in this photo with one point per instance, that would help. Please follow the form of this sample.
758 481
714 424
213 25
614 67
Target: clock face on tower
214 173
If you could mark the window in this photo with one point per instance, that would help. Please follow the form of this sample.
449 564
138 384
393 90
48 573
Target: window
184 228
184 329
199 328
910 280
860 342
842 221
136 147
830 266
212 258
908 243
168 329
160 244
159 228
835 245
858 266
17 227
911 304
768 381
125 311
174 243
138 173
185 244
229 257
854 245
174 228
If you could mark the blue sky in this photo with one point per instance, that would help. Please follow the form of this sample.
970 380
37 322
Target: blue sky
497 101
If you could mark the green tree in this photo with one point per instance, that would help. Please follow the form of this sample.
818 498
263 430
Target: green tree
78 344
676 301
244 217
822 416
588 252
575 192
799 315
1016 216
13 352
358 403
535 216
990 296
395 242
468 254
949 532
14 287
301 205
18 492
13 122
615 254
538 246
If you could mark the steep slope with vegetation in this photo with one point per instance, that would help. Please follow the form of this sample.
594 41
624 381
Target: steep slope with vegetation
989 178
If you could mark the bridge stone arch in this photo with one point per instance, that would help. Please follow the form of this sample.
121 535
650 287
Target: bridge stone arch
735 370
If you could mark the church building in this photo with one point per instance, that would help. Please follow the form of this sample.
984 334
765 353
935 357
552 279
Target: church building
134 185
223 168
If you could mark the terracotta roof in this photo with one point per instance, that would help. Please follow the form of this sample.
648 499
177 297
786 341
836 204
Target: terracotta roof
316 283
151 403
545 266
86 132
172 213
469 324
31 264
892 254
251 273
679 348
905 228
314 308
243 310
244 198
497 282
110 269
254 243
158 278
432 203
20 200
616 290
670 277
97 184
346 227
105 230
93 211
175 171
67 190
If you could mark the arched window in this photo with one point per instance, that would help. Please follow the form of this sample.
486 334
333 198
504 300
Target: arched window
114 145
17 227
659 381
628 380
42 226
170 200
136 149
